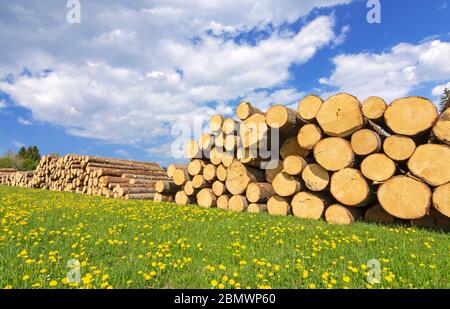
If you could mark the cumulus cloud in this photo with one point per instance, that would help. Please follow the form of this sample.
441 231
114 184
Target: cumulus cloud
2 104
391 74
23 121
439 90
264 99
18 144
121 103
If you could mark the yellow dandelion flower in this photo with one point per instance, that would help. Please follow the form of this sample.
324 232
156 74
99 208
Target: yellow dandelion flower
105 277
53 283
25 277
214 283
305 274
221 286
346 279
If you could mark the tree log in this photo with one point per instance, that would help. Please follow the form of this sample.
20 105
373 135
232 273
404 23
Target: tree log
237 203
341 215
316 178
442 127
257 208
334 153
158 197
410 116
215 123
365 142
340 115
165 186
349 187
378 167
278 206
199 182
239 176
431 163
441 199
195 167
308 205
245 110
284 119
206 198
286 185
294 165
180 176
222 201
221 172
254 131
398 147
373 108
182 199
219 188
259 192
404 197
379 215
308 107
291 147
308 136
273 171
192 150
209 172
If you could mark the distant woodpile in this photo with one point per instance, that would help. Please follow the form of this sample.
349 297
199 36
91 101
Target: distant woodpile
90 175
338 159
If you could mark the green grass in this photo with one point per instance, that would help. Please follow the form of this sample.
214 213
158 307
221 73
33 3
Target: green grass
140 244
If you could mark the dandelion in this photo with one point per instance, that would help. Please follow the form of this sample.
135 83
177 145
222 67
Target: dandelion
214 283
25 277
346 279
53 283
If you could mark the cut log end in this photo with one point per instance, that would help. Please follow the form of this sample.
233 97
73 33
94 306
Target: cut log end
349 187
441 199
309 107
334 153
365 142
342 215
316 178
373 108
307 205
431 163
237 203
378 167
399 147
278 206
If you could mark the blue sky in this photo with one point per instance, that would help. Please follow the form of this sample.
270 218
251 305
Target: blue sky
118 82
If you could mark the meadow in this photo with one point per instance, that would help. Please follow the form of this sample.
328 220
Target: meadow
141 244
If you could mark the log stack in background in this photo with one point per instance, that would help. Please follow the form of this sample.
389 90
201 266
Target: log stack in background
90 175
337 159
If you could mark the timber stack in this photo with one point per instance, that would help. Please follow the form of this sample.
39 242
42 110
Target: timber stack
338 159
90 175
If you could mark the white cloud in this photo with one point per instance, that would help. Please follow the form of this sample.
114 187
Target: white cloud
118 102
2 104
439 90
392 74
18 144
24 121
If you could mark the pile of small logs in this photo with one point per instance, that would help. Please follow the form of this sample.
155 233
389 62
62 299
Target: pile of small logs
336 159
91 175
13 177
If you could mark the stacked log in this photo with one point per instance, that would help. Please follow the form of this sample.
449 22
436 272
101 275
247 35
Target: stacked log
92 175
335 159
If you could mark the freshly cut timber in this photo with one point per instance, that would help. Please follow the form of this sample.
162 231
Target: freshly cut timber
206 198
240 176
373 108
180 176
294 165
340 115
245 110
259 192
316 178
410 116
158 197
206 141
219 140
182 199
349 187
209 172
431 163
221 172
165 186
308 136
222 201
195 167
199 182
286 185
334 153
257 208
433 220
237 203
278 206
405 197
309 107
139 196
231 142
215 123
219 188
442 127
441 199
379 215
192 149
189 188
308 205
273 170
378 167
215 156
399 147
291 147
227 158
253 130
365 142
229 126
342 215
284 119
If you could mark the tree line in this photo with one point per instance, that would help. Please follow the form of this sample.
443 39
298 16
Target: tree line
26 159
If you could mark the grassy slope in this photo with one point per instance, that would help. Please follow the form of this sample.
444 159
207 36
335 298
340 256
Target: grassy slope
141 244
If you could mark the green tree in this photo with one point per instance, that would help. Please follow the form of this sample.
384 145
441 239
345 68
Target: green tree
445 100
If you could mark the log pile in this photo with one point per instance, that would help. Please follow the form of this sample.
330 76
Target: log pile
90 175
338 159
